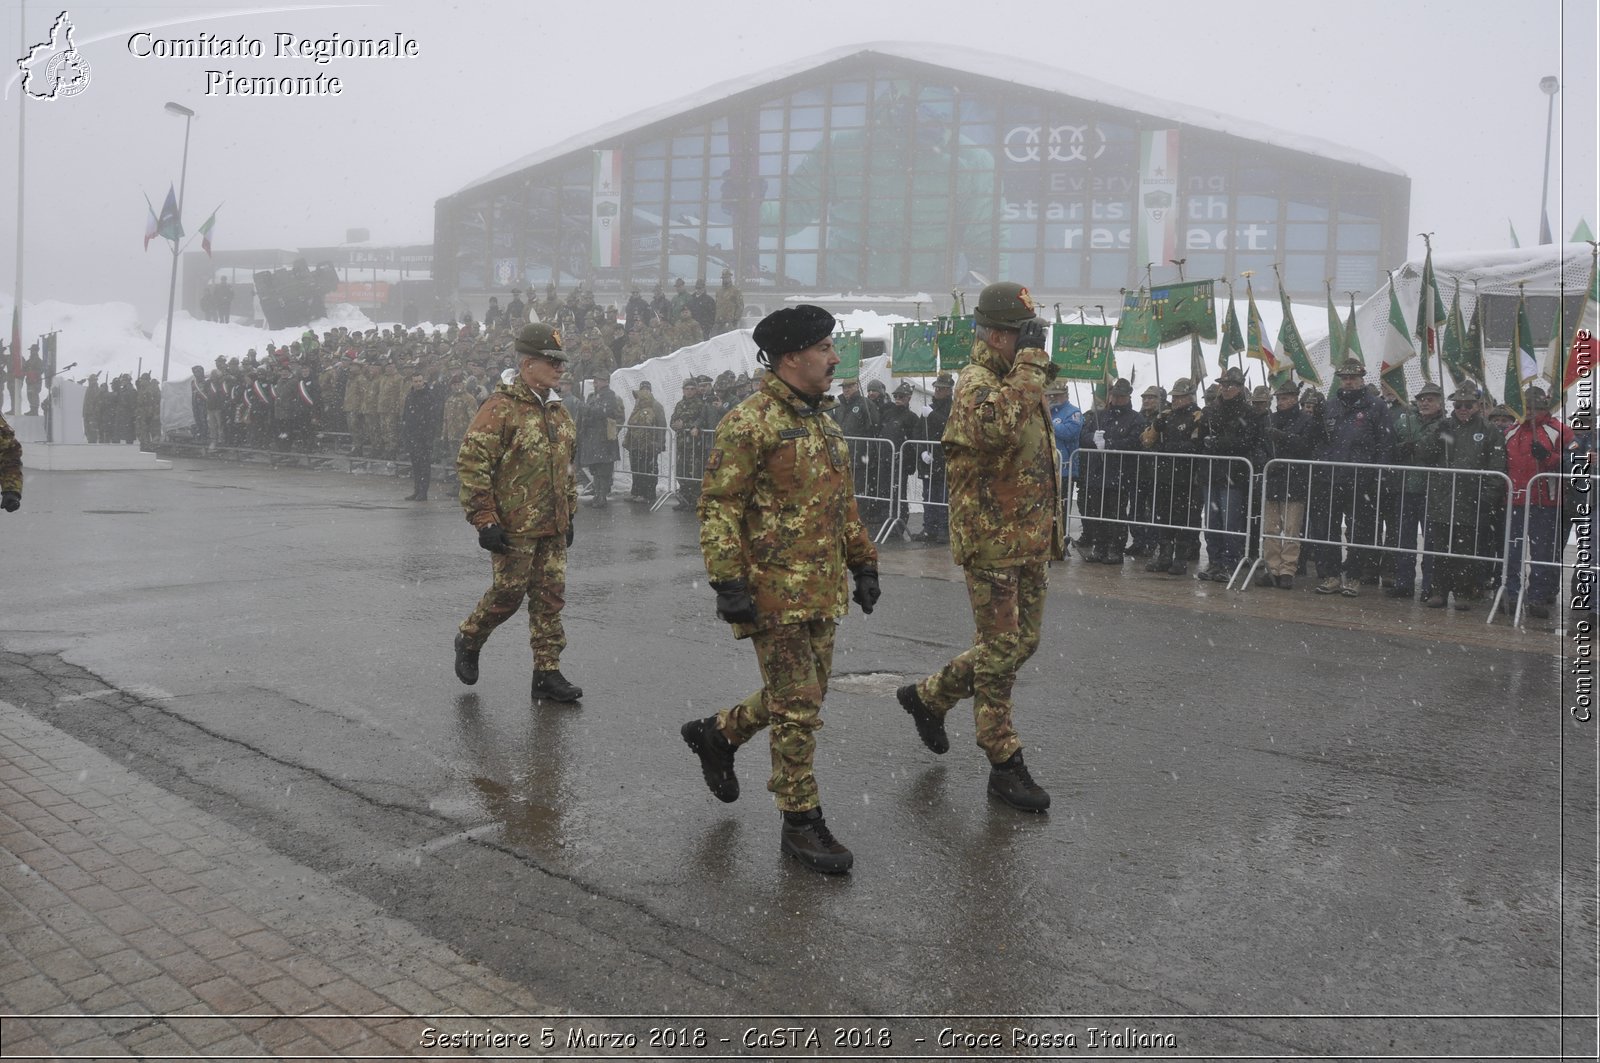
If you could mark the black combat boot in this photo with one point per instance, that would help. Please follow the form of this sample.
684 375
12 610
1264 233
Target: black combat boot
551 685
806 837
1011 783
930 728
707 741
1162 561
466 661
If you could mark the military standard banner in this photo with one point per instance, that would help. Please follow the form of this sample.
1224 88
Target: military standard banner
1137 329
916 350
955 343
1082 351
847 345
1185 309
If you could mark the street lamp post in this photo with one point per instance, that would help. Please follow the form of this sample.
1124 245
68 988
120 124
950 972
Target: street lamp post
1549 86
172 286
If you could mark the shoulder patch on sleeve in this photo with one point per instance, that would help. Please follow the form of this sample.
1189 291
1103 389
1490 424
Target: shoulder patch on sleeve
714 460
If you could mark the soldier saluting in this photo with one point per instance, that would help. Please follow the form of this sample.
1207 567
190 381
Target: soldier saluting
778 529
1005 526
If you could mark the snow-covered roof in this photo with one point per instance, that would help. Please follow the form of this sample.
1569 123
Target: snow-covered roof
1024 72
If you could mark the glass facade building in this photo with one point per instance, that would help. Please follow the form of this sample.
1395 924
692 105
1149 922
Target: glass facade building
884 172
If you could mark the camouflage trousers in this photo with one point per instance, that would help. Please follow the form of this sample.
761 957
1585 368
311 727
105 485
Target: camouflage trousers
795 660
535 569
1007 606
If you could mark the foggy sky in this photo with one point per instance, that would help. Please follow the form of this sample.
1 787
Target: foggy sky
1446 91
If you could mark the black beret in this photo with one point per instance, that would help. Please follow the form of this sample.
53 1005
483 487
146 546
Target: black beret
794 328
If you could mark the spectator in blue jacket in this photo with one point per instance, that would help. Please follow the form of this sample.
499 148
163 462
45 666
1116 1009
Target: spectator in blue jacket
1067 420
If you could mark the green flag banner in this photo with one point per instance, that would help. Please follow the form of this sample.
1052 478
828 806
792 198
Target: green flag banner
1290 343
1197 362
916 351
847 345
1185 310
1082 351
1137 328
1394 382
1453 340
1521 363
1352 337
1336 347
1232 337
1472 348
954 343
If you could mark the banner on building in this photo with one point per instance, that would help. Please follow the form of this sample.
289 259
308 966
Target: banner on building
1157 241
607 238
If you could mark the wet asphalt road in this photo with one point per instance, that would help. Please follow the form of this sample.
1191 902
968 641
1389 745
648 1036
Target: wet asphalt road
1253 814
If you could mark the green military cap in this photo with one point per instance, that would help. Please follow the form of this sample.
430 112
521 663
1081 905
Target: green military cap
1502 413
1153 392
944 380
1430 388
1121 387
1232 375
539 339
1005 304
1350 367
1288 387
1182 386
1467 392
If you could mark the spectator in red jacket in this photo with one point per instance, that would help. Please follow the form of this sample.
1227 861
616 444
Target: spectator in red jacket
1535 446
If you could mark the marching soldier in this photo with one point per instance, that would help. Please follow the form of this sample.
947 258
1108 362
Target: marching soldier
730 305
779 529
519 491
1005 526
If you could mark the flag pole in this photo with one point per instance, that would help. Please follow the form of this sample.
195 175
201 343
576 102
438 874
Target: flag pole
16 305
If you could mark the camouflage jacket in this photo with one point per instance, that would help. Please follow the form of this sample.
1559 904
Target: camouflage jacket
1004 475
459 409
515 464
778 509
10 459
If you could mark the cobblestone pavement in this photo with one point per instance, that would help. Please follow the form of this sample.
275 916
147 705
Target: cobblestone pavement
134 924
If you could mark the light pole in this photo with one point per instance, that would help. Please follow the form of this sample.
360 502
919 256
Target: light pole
172 286
1549 86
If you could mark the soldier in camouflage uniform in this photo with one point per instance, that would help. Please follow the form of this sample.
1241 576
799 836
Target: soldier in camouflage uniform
519 491
779 528
730 305
1005 526
10 469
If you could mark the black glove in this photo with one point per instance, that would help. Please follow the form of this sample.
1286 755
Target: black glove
571 527
493 538
1031 334
1539 451
734 603
867 592
10 501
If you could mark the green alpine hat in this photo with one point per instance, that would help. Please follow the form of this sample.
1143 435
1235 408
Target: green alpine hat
1005 304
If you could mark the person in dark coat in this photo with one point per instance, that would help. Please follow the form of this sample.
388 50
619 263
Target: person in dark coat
1292 435
599 422
421 419
1231 428
1344 503
931 466
1178 488
1108 481
1464 509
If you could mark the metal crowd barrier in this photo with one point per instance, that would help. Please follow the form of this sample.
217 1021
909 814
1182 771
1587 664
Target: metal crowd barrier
921 462
647 452
1576 497
1384 486
1144 488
